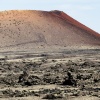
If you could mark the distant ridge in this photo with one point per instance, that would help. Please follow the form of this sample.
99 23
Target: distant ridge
69 19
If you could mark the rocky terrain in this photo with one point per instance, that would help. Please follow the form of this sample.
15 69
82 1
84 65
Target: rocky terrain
71 75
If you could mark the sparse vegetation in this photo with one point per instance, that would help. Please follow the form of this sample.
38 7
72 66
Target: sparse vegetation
70 78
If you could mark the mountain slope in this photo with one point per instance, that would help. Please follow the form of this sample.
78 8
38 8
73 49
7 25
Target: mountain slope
43 28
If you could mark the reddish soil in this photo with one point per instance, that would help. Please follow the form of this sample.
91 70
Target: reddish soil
35 28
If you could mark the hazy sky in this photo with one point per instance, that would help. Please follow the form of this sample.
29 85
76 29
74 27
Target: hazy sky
85 11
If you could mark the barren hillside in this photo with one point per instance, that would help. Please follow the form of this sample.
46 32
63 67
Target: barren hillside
28 28
47 56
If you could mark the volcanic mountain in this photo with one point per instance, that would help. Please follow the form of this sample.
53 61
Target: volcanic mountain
30 28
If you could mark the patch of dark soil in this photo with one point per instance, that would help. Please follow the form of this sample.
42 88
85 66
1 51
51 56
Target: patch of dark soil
52 96
70 80
17 93
9 79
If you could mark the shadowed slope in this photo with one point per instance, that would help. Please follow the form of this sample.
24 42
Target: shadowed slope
74 22
44 28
